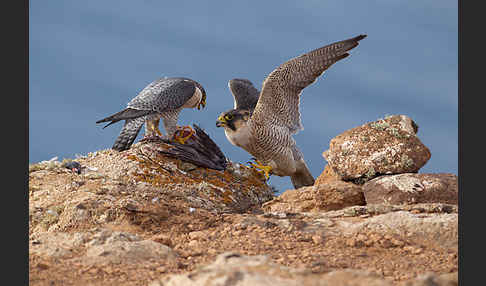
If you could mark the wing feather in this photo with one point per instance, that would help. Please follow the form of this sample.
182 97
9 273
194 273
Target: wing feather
280 96
244 93
164 94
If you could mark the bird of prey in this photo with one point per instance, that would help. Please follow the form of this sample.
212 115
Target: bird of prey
265 129
163 98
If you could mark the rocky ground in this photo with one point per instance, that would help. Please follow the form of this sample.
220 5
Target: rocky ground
140 218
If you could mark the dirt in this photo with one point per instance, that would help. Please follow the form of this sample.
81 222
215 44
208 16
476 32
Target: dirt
221 233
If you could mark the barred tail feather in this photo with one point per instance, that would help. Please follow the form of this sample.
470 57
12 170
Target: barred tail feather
128 133
125 114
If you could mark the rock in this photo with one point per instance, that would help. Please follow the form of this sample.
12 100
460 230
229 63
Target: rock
386 146
432 279
106 236
139 185
385 226
56 244
118 247
240 270
412 188
213 190
327 175
436 230
333 195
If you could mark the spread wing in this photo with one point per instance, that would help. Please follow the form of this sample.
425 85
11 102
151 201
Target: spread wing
244 93
164 94
280 95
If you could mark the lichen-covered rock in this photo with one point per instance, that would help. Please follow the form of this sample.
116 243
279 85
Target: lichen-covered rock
412 188
333 195
137 184
236 269
386 146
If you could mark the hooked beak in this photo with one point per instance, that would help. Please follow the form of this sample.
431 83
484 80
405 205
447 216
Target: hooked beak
220 122
202 102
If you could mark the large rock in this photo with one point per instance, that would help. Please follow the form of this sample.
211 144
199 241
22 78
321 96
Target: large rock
431 279
137 185
118 247
57 245
102 247
333 195
436 230
412 188
241 270
386 146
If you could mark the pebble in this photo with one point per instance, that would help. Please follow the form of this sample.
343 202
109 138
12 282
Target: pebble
193 243
93 176
197 234
317 239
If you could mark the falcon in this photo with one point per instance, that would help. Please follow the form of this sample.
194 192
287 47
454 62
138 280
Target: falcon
264 128
163 98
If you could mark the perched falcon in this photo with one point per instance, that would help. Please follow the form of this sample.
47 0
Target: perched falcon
163 98
265 129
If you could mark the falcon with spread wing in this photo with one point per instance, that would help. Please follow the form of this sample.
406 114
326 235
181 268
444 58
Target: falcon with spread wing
265 128
163 98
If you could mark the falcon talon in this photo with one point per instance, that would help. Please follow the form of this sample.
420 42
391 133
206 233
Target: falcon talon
260 168
181 138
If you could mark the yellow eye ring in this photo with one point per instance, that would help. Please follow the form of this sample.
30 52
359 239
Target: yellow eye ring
228 116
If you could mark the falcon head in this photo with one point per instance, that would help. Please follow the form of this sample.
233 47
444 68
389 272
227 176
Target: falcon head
233 119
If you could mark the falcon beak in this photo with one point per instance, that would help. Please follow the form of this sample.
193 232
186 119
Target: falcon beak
220 122
202 102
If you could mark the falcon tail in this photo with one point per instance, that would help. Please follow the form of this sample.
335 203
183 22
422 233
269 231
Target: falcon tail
128 113
302 176
128 134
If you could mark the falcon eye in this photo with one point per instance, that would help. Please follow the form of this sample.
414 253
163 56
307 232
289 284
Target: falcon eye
228 116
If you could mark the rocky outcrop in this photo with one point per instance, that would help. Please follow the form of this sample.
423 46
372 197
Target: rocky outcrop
139 183
381 160
387 146
412 188
143 216
121 247
333 195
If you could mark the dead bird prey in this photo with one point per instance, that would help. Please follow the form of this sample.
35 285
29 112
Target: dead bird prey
199 150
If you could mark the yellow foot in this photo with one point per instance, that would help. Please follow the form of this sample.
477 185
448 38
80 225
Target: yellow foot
262 169
179 134
152 128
